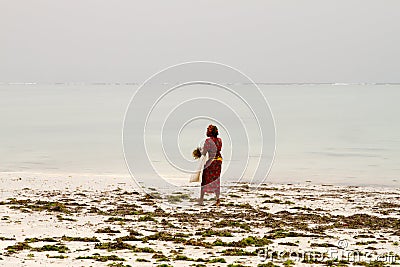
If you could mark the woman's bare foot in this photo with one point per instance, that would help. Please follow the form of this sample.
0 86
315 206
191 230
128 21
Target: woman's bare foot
200 202
218 203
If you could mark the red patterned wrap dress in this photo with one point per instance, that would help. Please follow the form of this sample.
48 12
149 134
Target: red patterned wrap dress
210 181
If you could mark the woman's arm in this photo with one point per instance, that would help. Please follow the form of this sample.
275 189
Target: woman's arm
206 147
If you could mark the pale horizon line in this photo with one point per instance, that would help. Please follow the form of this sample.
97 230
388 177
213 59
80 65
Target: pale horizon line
174 83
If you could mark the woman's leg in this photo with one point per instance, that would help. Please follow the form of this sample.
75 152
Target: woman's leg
201 196
217 197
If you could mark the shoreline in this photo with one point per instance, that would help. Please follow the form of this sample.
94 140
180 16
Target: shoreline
126 177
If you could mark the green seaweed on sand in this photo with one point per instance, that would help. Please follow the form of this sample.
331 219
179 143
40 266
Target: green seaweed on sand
232 223
366 243
56 256
129 193
146 218
168 223
119 245
100 258
322 245
251 240
2 238
61 218
288 263
177 198
388 205
80 239
133 236
45 239
281 233
245 242
134 232
164 265
210 232
197 243
40 205
50 206
301 208
238 252
291 244
160 257
128 238
118 219
122 209
14 201
215 260
143 250
247 206
164 236
118 264
18 247
237 265
278 201
107 230
111 246
182 258
58 248
363 236
142 260
244 187
360 221
269 264
82 249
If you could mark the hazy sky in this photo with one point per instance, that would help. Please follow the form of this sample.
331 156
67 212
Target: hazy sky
271 41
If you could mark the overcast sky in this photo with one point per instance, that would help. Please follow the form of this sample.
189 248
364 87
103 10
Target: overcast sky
271 41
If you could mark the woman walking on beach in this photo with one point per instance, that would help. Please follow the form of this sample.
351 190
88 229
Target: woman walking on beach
210 180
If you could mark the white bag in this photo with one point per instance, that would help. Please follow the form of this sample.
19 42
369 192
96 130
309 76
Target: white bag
196 177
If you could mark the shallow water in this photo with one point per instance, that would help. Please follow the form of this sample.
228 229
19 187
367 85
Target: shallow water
325 133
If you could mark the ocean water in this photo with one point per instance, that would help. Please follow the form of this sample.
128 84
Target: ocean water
347 134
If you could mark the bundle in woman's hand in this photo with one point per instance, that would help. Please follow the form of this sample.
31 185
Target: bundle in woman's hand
196 177
196 153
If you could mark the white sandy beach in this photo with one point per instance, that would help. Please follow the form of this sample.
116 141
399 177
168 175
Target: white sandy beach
103 221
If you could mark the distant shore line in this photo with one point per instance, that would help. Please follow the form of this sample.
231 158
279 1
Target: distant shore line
174 83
